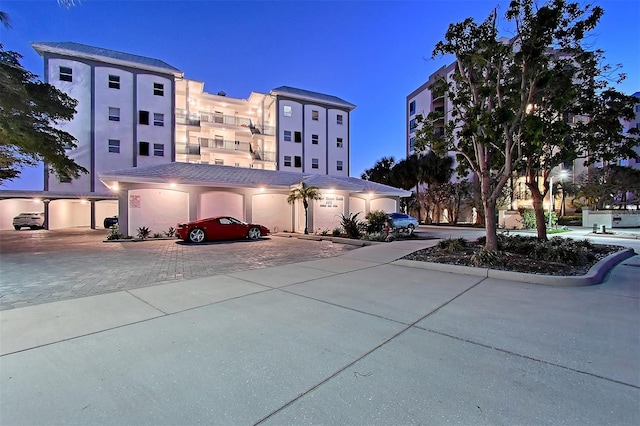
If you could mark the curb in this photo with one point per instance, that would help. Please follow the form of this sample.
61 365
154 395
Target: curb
595 275
338 240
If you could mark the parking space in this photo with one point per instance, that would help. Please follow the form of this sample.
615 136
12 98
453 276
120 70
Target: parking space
39 266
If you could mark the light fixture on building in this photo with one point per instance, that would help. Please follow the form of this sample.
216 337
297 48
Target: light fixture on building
172 185
262 189
37 200
83 201
115 187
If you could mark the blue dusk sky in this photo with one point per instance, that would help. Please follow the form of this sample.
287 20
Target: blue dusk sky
370 53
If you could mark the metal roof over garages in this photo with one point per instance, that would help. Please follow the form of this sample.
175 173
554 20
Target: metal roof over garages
235 177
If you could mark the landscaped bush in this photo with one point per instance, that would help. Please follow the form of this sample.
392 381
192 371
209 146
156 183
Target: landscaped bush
337 231
114 233
352 225
171 232
529 218
451 245
375 221
573 220
143 232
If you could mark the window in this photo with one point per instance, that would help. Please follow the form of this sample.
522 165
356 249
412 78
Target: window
143 148
287 135
237 165
64 179
218 117
114 146
412 143
339 142
158 119
314 163
286 110
298 137
637 108
339 119
158 150
314 139
339 165
219 141
218 161
297 161
412 125
114 81
314 115
114 114
287 161
143 117
158 89
66 74
412 108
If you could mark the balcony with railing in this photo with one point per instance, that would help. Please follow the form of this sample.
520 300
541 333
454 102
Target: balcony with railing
188 120
202 118
245 147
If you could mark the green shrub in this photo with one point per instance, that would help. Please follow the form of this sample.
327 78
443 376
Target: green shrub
573 220
375 221
114 233
158 235
171 232
452 245
337 231
143 232
352 225
529 218
486 257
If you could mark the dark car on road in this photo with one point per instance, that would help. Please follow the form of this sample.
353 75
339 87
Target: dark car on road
110 221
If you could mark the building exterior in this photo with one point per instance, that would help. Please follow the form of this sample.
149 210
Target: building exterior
288 129
125 112
136 113
632 124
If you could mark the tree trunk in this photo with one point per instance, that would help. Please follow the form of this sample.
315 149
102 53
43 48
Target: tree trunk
491 225
538 209
306 222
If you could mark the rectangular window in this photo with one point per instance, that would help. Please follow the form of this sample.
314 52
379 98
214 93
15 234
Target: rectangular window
114 146
286 110
218 161
66 74
412 108
339 165
412 143
637 108
287 135
158 89
158 119
297 161
114 114
298 137
114 81
314 163
412 125
287 161
339 142
314 115
219 141
339 119
237 164
143 149
218 117
158 150
143 117
314 139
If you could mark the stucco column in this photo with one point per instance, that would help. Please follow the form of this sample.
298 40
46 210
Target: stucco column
123 211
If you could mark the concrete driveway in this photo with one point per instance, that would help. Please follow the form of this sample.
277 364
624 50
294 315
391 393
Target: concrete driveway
353 339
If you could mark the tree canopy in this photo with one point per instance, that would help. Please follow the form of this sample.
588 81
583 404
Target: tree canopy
30 111
511 98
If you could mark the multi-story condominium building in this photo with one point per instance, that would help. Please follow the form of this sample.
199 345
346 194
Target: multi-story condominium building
288 129
125 111
422 101
633 124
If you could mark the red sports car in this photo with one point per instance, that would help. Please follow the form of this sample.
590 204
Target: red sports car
219 228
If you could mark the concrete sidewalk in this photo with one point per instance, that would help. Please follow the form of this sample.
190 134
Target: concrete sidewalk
354 339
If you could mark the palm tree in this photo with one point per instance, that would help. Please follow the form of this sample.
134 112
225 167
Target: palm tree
304 193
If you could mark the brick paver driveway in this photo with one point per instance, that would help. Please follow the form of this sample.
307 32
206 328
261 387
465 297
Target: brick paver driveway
46 266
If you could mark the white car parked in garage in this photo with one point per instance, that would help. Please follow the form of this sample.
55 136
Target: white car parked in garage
33 220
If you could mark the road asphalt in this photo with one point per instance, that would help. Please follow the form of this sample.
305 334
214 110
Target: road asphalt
354 339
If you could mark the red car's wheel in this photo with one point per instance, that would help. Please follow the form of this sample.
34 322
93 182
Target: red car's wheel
196 235
254 233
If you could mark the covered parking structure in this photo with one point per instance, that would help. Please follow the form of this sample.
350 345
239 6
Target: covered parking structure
61 210
161 196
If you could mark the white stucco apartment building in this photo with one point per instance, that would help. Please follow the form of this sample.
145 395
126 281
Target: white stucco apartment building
141 126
